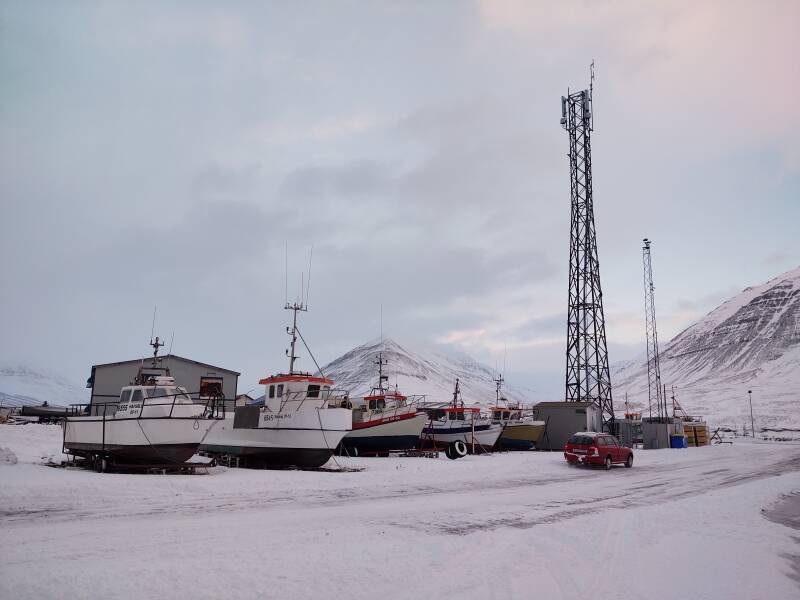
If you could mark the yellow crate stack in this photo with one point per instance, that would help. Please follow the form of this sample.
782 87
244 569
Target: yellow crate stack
696 433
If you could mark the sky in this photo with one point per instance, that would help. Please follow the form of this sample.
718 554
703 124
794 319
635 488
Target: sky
168 155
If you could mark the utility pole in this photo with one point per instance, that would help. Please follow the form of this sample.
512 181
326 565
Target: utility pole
587 375
752 424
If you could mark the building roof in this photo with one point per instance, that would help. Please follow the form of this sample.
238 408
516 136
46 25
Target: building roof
563 404
170 356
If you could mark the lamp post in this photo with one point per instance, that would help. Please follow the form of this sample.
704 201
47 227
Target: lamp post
752 427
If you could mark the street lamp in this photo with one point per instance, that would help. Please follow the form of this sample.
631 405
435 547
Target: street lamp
752 427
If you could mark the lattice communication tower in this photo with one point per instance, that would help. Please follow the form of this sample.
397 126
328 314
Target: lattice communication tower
588 378
656 395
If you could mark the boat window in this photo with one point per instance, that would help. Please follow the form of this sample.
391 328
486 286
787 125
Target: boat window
125 396
182 394
272 391
163 394
313 391
506 415
372 404
279 391
381 403
496 414
137 396
456 416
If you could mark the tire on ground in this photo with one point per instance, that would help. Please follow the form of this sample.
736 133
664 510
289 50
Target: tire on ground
448 452
459 448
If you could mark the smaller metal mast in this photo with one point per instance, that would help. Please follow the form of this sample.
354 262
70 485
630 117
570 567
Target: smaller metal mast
292 331
456 394
381 362
655 392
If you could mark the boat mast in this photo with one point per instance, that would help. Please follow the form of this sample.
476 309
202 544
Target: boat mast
156 345
456 393
292 331
381 377
498 384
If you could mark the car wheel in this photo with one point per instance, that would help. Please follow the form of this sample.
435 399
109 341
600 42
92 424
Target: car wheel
629 461
607 463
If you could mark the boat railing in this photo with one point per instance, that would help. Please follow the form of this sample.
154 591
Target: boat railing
213 407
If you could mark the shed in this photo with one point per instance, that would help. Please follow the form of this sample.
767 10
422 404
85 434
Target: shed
201 380
564 419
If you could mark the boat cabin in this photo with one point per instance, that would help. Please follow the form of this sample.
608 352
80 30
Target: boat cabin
156 391
385 400
454 414
296 387
503 414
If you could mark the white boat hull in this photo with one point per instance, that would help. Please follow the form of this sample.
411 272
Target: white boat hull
145 440
302 438
485 437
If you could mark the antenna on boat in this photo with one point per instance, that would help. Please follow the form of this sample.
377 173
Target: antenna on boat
153 327
155 343
297 305
308 282
286 273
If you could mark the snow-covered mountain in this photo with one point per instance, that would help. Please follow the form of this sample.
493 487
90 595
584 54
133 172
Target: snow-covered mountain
750 342
431 372
21 386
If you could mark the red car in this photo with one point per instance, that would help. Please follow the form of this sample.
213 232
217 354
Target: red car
590 448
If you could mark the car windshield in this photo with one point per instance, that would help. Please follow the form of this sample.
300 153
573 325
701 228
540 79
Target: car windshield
581 440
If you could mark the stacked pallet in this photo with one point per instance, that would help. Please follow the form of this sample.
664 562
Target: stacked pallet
696 433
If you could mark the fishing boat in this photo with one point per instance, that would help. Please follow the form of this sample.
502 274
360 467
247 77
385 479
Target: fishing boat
521 432
457 423
299 425
383 420
154 421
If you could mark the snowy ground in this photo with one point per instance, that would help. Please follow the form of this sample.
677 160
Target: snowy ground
715 522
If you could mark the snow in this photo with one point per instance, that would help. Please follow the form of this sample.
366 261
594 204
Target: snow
750 342
23 386
431 372
680 523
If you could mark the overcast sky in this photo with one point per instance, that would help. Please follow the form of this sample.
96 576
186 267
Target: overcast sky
165 153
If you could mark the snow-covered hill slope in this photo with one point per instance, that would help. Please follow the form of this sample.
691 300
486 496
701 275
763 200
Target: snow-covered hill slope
750 342
431 372
21 386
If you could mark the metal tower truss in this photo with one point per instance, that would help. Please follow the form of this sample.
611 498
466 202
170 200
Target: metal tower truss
587 377
656 396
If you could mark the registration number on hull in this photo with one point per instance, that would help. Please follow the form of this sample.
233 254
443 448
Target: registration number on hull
270 418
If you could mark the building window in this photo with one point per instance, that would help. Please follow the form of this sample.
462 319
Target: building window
210 387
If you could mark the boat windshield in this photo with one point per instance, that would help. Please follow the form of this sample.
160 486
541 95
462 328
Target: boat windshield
167 394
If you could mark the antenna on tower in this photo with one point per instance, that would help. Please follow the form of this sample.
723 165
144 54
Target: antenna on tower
591 91
655 392
588 377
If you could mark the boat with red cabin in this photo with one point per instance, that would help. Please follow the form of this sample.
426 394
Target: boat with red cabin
300 423
384 420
